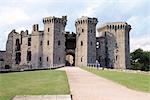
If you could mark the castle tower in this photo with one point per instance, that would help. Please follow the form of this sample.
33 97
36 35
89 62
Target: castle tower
35 52
54 41
25 47
13 49
85 41
117 47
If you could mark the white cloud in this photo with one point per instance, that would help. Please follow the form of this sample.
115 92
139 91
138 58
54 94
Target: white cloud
89 11
12 15
140 42
24 13
139 24
139 35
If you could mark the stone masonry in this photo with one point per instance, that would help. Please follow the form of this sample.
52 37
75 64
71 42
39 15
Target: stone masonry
86 41
114 45
51 46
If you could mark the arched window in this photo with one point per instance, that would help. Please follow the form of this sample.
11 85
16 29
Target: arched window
59 58
105 34
116 58
17 42
47 42
29 41
48 29
81 43
41 42
59 42
17 45
18 57
28 55
82 30
91 30
40 58
91 42
81 59
47 59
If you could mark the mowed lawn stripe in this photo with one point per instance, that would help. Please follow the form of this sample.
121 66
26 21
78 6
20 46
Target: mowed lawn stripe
136 81
45 82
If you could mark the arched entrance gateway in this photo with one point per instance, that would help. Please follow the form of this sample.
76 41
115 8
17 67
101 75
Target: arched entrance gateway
70 48
70 58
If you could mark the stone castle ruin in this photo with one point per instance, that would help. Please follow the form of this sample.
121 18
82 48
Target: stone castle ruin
54 47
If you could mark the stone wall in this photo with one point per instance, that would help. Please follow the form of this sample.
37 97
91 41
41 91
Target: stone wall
117 44
36 47
47 48
2 59
13 49
24 48
100 50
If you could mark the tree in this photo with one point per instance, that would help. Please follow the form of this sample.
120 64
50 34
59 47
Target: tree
140 60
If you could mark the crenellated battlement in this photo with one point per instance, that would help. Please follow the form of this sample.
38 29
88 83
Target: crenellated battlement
53 46
116 26
53 19
86 20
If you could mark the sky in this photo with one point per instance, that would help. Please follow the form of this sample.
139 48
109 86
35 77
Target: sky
22 14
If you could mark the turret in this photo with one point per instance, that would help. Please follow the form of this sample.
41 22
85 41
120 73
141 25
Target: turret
35 28
54 40
85 40
117 44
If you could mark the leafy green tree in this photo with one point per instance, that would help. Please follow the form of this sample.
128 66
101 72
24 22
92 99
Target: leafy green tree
140 60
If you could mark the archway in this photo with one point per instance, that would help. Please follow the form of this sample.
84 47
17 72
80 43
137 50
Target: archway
70 58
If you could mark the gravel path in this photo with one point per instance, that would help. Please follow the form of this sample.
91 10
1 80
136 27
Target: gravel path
87 86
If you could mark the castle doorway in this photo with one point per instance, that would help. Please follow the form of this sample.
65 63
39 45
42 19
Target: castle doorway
70 48
70 58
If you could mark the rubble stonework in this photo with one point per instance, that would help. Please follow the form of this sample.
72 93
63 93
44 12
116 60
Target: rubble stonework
51 46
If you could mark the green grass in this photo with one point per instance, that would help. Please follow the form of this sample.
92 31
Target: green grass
136 81
47 82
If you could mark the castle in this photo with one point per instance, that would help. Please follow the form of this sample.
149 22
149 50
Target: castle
54 47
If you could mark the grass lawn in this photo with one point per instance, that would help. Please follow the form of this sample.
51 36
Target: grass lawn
134 81
45 82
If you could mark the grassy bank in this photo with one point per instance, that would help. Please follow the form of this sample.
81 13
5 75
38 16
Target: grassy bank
134 81
46 82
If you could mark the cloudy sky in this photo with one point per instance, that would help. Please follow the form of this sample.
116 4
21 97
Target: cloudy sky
22 14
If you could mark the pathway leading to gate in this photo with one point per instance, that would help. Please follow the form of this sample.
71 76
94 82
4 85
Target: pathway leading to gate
87 86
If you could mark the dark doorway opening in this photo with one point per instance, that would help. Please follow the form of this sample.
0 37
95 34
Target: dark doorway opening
70 48
70 59
18 57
